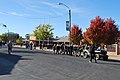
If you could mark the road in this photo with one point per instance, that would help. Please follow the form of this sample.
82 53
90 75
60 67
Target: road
25 64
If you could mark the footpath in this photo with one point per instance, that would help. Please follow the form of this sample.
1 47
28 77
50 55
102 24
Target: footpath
114 57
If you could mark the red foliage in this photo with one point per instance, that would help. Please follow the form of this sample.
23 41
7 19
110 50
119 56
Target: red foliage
76 34
110 31
95 31
101 31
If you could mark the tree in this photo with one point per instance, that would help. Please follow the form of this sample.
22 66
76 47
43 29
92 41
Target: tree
111 32
95 32
3 37
19 40
43 32
27 36
76 34
101 31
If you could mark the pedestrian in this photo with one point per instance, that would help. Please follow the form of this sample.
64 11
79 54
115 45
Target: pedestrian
31 45
71 49
92 53
0 44
27 45
34 45
21 44
40 46
54 48
57 49
62 48
9 45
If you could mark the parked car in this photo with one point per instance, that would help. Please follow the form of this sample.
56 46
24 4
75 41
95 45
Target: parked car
100 54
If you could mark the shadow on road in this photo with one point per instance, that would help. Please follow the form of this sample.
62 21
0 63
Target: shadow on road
111 62
7 63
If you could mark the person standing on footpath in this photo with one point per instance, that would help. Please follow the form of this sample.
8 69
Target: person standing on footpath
0 43
9 45
54 48
34 45
71 49
92 53
31 45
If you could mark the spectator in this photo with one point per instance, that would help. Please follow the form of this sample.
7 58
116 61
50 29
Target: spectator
31 45
34 45
0 44
54 48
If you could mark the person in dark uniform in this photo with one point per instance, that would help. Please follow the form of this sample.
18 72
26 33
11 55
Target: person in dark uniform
92 53
62 48
34 45
54 48
57 49
0 43
31 45
9 45
71 49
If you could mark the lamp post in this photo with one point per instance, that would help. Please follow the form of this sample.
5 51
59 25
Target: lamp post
69 18
7 29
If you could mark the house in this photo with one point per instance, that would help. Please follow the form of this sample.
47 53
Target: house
57 40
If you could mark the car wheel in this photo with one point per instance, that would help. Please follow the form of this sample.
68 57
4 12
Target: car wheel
85 54
97 56
105 57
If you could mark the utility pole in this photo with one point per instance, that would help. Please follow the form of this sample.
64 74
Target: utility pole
69 18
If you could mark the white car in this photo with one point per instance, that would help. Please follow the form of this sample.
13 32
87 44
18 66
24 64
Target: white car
100 54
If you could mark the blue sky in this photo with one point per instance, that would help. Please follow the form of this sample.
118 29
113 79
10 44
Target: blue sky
22 16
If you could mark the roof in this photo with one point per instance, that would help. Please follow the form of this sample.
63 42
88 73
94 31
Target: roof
59 39
62 39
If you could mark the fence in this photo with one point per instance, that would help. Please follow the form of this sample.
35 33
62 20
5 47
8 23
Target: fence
113 49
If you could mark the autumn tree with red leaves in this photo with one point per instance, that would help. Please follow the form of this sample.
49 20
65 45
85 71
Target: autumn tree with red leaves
76 34
111 32
101 31
95 32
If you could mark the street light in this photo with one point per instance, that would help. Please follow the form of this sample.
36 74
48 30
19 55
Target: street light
69 18
7 29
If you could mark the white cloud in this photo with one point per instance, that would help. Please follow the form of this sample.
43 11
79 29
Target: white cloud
83 12
2 12
15 14
18 14
51 4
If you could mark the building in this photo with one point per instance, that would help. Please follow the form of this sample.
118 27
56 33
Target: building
57 40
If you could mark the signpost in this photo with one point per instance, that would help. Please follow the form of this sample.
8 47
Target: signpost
67 26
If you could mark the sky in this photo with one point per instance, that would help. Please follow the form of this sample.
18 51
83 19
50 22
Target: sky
22 16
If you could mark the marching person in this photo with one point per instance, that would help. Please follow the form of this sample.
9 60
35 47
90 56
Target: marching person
54 48
31 45
9 45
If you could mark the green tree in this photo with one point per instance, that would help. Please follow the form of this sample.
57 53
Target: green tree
27 36
4 37
19 40
43 32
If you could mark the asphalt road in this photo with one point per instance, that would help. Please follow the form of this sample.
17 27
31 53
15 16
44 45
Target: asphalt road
25 64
